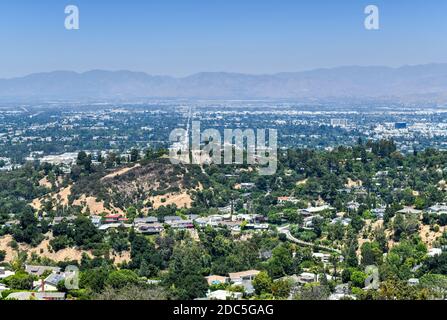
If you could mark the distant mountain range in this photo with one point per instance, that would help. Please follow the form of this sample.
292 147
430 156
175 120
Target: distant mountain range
410 83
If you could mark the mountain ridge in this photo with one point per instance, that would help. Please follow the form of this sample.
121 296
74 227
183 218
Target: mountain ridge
425 82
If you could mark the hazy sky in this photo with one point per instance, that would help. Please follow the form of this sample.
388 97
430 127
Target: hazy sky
180 37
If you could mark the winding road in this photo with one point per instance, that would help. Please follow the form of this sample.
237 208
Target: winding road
289 236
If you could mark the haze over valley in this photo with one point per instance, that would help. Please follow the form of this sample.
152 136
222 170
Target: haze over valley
421 83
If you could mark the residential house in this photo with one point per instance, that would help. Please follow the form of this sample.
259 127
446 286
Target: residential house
255 226
115 218
96 220
247 186
244 275
169 219
40 270
145 220
192 217
234 226
225 210
215 280
202 222
224 295
353 206
5 273
58 220
181 224
213 221
153 281
250 218
50 283
314 210
434 252
108 226
285 200
324 257
216 221
341 296
438 209
344 221
378 212
307 277
409 210
11 223
152 228
49 296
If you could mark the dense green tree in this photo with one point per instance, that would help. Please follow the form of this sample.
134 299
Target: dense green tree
436 283
143 250
401 259
394 289
281 263
371 254
59 243
121 278
131 293
313 292
84 161
281 289
94 279
85 233
134 155
20 281
336 231
185 275
436 264
28 230
358 278
262 283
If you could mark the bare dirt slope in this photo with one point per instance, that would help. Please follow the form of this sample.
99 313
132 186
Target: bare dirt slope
43 250
181 200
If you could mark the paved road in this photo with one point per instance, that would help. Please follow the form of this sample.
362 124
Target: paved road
289 236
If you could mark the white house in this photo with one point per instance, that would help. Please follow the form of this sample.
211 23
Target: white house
314 210
324 257
438 209
307 277
5 273
284 200
224 295
434 252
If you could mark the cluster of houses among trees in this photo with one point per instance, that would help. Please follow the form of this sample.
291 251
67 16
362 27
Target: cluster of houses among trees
311 231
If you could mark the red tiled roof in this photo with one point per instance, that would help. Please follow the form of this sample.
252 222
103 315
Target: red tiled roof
113 216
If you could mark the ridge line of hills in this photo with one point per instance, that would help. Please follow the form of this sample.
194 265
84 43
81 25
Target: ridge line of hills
419 83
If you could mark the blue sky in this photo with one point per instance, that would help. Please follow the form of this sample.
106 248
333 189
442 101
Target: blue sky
181 37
